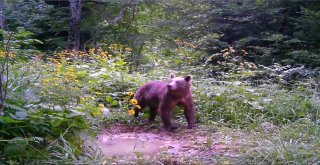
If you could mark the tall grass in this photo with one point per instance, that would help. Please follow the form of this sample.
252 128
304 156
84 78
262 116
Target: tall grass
240 105
295 143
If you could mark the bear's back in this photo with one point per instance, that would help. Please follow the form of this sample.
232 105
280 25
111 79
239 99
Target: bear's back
151 92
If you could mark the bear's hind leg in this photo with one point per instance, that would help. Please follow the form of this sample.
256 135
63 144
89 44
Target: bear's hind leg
153 114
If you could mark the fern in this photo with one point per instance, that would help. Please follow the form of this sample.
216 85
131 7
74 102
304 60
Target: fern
12 106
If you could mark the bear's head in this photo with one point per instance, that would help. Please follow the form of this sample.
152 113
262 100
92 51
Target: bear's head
179 85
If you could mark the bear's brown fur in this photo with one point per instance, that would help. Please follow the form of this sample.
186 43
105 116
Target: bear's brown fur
162 97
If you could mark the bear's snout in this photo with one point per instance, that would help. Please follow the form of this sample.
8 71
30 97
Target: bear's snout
172 86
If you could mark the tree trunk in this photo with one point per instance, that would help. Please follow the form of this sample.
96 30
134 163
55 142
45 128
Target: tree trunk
4 74
1 15
75 25
1 97
2 66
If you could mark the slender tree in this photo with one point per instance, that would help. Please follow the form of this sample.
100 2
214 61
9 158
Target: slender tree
1 15
2 66
75 25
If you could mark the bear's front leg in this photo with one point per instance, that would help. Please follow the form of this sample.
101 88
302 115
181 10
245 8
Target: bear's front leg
190 115
165 111
189 111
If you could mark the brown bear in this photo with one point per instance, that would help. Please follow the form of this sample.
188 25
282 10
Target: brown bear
162 97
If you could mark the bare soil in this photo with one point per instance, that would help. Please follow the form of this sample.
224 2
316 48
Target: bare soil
196 146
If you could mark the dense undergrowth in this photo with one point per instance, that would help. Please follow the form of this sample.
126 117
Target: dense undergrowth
51 102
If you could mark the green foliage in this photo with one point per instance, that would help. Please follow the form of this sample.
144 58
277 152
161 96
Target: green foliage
50 103
19 42
296 143
45 21
34 137
55 96
238 105
265 29
27 14
308 25
303 56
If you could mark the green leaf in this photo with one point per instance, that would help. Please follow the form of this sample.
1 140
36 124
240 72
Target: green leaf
23 33
30 41
14 106
55 123
38 41
4 33
109 99
4 132
114 103
220 99
81 74
8 120
79 123
120 63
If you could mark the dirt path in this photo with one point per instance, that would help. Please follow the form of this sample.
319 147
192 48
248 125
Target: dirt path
198 146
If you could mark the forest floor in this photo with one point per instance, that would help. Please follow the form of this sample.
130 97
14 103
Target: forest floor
150 144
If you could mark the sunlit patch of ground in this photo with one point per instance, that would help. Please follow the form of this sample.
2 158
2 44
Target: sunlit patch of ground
201 145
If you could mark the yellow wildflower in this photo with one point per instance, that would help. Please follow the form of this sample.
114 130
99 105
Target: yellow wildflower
70 69
45 81
96 113
101 105
98 93
91 51
82 99
2 54
131 112
130 94
11 55
58 64
134 101
137 106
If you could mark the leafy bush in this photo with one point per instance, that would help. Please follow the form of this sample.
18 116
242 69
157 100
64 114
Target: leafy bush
38 136
303 57
50 103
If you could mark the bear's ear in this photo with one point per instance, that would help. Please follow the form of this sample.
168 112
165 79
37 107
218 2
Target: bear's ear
187 79
172 75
